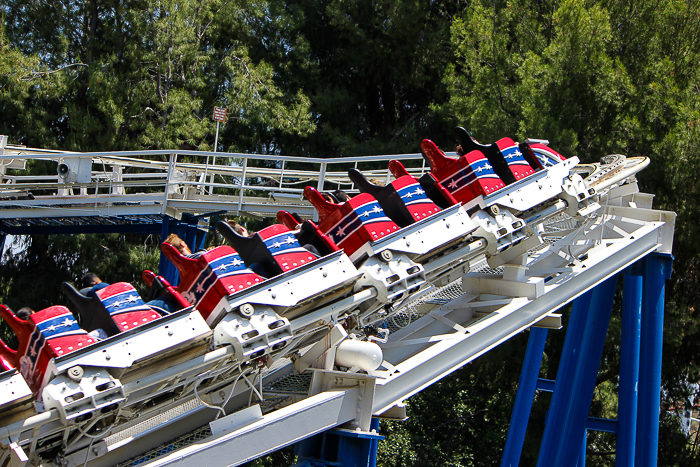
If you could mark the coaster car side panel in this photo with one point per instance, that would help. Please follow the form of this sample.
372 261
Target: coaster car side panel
210 277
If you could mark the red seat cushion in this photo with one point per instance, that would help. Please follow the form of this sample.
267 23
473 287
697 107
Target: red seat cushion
413 196
285 248
124 305
545 154
356 222
515 159
484 180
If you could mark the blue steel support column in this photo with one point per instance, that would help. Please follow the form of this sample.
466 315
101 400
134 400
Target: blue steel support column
374 444
523 400
657 268
562 386
629 369
190 231
583 384
165 267
3 237
582 455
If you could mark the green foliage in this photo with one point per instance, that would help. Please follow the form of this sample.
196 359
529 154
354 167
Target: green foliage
333 77
461 421
142 74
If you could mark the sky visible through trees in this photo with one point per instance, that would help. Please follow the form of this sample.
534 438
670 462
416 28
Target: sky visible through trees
327 78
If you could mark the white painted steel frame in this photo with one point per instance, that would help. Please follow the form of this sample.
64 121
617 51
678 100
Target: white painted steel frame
420 365
175 192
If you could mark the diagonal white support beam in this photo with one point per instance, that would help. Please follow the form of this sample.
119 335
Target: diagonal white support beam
418 370
274 431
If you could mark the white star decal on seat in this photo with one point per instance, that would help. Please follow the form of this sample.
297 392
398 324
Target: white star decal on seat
366 213
290 240
408 195
51 328
132 299
237 262
377 209
487 167
341 231
453 184
221 268
116 304
517 153
276 245
67 322
200 287
419 192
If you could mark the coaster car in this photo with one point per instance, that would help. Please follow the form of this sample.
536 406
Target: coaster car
519 176
88 383
251 312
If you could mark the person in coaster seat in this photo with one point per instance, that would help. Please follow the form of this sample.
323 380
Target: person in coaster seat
274 248
403 200
353 223
211 276
161 295
243 232
91 284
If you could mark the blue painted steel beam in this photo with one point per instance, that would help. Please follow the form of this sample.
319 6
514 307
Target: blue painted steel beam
565 372
546 385
374 442
339 448
587 363
165 267
145 229
602 424
657 269
629 369
523 400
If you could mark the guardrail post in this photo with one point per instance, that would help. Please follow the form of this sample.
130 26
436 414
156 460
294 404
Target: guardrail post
171 170
320 184
241 185
213 175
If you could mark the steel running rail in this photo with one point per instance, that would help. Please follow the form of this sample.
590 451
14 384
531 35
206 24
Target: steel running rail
468 313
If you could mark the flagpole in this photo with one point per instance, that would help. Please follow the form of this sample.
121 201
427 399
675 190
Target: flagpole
216 145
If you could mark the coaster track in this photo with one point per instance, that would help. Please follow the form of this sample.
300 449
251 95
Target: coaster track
327 343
